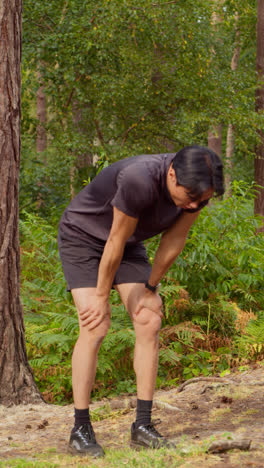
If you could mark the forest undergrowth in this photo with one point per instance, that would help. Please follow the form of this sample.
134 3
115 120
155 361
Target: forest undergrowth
212 297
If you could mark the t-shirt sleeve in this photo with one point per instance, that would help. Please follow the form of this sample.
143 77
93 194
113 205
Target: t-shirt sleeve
134 191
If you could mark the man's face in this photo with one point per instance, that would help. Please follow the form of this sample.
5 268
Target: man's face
179 194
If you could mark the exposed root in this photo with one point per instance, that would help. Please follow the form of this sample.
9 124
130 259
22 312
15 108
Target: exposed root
204 379
163 405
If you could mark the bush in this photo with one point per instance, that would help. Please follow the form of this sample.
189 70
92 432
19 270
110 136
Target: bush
223 255
217 279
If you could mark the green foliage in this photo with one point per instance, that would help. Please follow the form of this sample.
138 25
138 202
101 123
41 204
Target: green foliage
123 78
223 255
219 272
126 78
251 342
52 323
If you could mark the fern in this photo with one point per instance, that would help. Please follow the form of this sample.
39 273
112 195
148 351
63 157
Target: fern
252 339
168 356
222 264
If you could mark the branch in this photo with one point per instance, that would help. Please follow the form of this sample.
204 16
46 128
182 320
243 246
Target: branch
131 128
44 26
69 98
159 4
155 5
219 446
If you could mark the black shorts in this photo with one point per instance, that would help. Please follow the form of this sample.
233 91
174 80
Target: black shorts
81 257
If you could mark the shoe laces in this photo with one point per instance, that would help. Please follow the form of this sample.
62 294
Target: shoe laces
87 430
151 427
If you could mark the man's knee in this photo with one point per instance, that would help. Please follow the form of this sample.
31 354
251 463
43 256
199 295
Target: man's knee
98 333
149 320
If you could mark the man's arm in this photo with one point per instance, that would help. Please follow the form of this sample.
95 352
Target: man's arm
171 245
123 227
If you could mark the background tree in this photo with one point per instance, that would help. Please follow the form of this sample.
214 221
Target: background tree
103 59
259 160
230 138
41 116
16 380
123 78
215 133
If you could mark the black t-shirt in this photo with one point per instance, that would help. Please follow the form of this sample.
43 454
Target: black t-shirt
136 186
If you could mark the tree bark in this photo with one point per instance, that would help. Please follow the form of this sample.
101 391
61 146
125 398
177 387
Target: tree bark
41 117
16 379
259 159
215 133
230 139
230 146
215 139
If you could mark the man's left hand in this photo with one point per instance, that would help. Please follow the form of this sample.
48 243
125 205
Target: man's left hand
151 301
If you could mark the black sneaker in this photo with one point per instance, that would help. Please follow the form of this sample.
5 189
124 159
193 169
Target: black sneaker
147 436
83 442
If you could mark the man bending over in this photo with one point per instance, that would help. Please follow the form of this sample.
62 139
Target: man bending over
101 246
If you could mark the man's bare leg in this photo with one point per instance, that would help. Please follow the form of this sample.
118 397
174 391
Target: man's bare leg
84 361
147 325
84 358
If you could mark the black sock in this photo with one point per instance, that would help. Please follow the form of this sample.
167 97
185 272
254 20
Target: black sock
144 408
82 416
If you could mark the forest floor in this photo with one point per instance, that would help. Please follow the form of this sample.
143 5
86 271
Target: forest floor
206 419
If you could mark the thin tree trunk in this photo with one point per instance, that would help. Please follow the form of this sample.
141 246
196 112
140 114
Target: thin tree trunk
230 139
215 139
215 133
259 159
72 177
41 116
16 379
230 146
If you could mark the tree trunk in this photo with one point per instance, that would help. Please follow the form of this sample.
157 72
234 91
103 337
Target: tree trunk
215 139
259 159
41 117
230 146
16 380
230 139
215 133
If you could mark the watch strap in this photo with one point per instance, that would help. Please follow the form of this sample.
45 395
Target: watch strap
151 288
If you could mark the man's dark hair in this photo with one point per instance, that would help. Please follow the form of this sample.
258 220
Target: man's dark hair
199 169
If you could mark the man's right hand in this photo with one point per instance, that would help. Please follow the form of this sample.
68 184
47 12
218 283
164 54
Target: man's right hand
96 310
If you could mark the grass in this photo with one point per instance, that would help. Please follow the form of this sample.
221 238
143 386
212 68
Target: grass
219 413
105 412
115 458
186 452
187 455
244 416
236 393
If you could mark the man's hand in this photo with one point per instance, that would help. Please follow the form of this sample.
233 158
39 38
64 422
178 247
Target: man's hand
97 309
150 300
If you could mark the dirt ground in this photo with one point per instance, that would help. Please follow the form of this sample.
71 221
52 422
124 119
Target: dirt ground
230 408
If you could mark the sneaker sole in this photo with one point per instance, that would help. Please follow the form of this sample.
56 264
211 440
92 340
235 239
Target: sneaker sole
139 447
74 451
